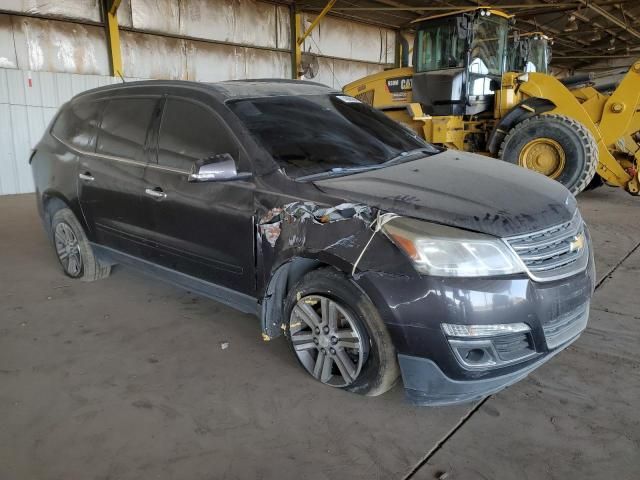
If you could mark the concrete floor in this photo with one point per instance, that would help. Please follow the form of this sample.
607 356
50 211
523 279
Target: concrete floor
125 379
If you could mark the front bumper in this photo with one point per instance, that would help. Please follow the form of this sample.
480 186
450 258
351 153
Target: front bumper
413 310
426 385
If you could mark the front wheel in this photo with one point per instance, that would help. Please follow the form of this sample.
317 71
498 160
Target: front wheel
73 248
337 335
556 146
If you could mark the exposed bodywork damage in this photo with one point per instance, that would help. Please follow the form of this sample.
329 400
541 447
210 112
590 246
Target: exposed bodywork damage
271 222
300 236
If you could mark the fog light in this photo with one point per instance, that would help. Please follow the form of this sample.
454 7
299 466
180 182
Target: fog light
474 355
481 347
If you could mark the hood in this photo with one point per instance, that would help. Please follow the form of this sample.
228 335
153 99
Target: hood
461 190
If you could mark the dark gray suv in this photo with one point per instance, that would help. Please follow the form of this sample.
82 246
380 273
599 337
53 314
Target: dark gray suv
376 254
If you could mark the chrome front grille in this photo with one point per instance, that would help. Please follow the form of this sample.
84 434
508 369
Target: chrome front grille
564 327
555 252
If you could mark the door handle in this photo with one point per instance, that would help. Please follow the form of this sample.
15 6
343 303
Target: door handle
155 192
86 176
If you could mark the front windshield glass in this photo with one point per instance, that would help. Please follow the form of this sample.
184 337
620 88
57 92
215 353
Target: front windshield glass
439 46
537 58
311 134
529 54
488 46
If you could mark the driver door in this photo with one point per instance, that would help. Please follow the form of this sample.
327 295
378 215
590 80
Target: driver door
202 229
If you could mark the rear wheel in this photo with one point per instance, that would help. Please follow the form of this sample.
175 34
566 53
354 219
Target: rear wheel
73 248
556 146
337 335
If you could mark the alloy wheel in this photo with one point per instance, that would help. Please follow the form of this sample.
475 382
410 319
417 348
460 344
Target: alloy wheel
68 249
327 340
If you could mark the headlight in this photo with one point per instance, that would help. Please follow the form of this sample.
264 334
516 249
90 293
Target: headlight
450 252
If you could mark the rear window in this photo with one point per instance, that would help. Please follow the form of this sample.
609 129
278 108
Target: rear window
76 125
311 134
124 126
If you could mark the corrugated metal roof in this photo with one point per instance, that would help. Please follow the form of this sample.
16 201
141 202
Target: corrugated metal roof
28 101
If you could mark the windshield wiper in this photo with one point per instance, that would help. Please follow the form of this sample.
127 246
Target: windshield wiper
337 171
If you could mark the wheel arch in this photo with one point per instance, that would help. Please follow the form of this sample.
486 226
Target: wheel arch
283 278
50 202
525 109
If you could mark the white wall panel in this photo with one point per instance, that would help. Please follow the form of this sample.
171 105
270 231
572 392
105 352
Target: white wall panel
246 22
265 64
156 15
153 56
28 102
53 46
337 73
124 14
74 9
7 49
336 37
283 20
208 62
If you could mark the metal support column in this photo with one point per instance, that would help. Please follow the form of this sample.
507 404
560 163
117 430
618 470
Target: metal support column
113 37
300 37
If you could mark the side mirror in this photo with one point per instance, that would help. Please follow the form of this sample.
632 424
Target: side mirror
217 168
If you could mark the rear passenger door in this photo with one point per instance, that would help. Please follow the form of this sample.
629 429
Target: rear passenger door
202 229
110 180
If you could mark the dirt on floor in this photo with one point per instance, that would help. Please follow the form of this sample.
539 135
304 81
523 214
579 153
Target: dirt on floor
129 378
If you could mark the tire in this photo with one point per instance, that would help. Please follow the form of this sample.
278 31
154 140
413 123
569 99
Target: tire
373 369
571 151
73 249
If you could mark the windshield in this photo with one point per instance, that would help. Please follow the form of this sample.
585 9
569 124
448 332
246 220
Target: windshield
439 46
537 58
529 54
488 46
310 134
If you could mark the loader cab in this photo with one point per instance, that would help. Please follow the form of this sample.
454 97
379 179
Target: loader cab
459 60
529 52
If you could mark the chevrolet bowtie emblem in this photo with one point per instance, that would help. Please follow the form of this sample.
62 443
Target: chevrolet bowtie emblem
577 243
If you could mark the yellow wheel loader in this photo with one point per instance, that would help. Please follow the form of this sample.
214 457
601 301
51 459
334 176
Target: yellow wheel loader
460 93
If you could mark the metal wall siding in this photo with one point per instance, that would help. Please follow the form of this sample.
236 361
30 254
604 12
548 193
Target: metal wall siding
71 9
335 37
53 46
7 49
28 102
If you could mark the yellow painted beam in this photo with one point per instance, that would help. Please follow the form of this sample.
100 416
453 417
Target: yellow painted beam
297 46
315 23
114 39
300 36
113 8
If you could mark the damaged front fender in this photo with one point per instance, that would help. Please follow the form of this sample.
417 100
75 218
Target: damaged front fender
297 237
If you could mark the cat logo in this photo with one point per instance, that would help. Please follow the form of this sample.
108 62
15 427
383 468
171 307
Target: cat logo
577 243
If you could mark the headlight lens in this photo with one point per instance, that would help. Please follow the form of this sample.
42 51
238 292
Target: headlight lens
444 251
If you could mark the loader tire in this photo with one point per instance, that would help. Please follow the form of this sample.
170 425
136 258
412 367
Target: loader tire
556 146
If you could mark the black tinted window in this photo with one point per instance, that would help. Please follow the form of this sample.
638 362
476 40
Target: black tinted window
317 133
190 132
124 125
77 124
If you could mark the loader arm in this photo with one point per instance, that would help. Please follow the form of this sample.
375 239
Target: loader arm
620 117
547 87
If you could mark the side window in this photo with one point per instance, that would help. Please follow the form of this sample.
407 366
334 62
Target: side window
190 132
76 124
124 126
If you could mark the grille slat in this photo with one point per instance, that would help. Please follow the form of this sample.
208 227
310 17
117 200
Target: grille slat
563 328
513 346
554 252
